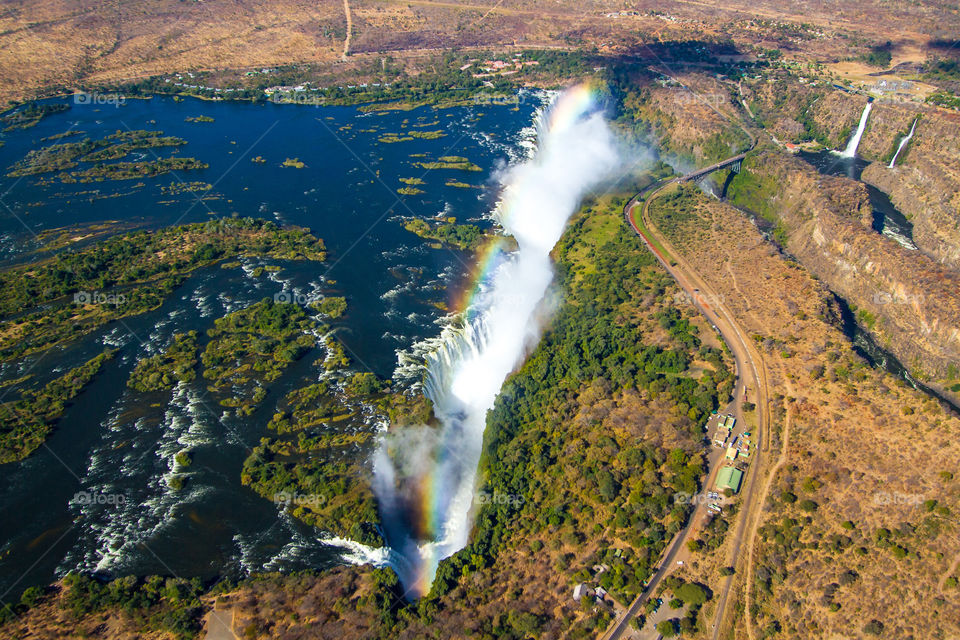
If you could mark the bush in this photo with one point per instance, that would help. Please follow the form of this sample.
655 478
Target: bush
693 594
808 505
874 627
667 628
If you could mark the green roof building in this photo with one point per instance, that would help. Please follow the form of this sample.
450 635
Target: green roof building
729 478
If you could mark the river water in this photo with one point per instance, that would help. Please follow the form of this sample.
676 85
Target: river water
115 442
887 219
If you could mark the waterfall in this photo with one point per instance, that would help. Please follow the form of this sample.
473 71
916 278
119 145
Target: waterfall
851 150
425 478
903 143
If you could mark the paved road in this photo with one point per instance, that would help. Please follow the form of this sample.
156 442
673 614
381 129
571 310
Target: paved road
220 625
746 358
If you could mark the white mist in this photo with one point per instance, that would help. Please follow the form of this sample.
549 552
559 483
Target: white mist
575 151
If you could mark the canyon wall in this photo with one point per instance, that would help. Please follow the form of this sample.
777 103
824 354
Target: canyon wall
907 300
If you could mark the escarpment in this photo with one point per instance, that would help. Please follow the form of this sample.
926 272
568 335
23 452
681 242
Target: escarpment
907 300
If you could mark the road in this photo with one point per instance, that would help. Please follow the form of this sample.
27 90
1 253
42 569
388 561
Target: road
750 375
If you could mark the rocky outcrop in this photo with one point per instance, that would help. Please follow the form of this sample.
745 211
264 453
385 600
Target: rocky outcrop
910 302
925 182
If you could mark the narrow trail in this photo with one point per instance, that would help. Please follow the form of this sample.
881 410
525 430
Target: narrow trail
346 41
949 572
761 498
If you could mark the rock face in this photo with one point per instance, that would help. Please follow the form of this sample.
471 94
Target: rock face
910 302
925 182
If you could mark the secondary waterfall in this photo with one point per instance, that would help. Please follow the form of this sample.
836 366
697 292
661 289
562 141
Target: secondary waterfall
851 150
425 477
903 143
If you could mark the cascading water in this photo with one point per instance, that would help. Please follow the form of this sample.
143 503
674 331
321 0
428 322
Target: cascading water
903 143
425 477
851 150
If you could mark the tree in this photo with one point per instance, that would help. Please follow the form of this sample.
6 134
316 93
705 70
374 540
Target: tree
667 628
692 593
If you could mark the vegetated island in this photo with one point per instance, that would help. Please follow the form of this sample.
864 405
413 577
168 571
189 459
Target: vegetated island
25 423
62 157
175 364
449 162
462 236
251 347
67 296
30 115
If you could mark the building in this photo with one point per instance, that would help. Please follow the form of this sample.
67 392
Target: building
729 478
732 453
582 590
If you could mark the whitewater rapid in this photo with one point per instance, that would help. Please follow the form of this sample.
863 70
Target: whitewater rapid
425 478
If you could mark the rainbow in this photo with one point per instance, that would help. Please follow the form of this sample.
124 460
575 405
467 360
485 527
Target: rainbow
571 106
574 103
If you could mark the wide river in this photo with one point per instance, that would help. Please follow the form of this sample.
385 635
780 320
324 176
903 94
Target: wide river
109 442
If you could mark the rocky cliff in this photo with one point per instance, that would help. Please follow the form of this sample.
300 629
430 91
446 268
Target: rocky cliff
910 302
924 184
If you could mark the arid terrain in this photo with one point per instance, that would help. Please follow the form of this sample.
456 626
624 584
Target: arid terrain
853 531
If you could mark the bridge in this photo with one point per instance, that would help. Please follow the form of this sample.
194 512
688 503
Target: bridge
699 173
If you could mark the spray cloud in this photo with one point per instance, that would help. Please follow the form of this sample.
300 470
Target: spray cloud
427 512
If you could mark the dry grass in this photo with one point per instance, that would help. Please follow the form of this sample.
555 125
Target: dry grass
876 446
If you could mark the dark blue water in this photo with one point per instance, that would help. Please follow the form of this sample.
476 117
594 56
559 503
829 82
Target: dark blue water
887 219
116 442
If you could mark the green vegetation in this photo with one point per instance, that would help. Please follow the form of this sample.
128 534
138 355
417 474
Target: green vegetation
75 291
390 138
409 191
449 162
176 188
252 346
412 181
67 155
462 236
314 466
944 99
155 604
612 484
26 423
30 115
878 56
198 119
332 307
756 193
176 364
427 135
132 170
295 163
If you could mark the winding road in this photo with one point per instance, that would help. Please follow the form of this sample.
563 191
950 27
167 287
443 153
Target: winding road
751 374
